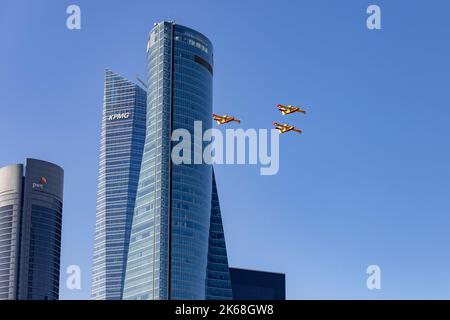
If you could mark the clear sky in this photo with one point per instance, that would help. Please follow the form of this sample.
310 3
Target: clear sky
367 183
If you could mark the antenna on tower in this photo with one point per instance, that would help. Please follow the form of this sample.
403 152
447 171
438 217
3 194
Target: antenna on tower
141 82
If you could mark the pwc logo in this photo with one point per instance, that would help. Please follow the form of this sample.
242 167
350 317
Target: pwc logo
41 184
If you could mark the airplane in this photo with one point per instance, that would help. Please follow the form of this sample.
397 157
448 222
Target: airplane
283 128
289 109
224 119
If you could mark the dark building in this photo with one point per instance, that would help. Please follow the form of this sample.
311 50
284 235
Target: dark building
257 285
31 199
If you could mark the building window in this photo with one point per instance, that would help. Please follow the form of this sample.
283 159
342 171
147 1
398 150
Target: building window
204 63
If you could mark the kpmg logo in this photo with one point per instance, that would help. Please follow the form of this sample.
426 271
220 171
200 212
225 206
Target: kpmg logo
41 184
119 116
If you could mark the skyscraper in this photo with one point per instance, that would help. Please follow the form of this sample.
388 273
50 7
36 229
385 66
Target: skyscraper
30 230
177 250
122 141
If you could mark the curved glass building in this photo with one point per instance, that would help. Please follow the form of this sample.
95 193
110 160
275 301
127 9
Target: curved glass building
30 230
11 187
168 252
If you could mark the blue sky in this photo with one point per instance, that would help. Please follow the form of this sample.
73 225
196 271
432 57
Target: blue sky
367 183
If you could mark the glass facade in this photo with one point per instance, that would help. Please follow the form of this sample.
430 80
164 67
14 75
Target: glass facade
122 142
6 251
44 253
11 185
30 230
168 253
40 246
218 283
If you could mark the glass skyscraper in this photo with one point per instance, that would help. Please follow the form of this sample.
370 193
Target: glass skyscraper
31 200
121 146
177 249
218 279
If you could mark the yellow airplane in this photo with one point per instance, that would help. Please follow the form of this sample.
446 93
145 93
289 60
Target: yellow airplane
289 109
224 119
283 128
